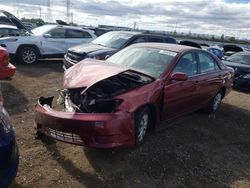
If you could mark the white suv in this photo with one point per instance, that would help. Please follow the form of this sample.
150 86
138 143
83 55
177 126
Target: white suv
45 41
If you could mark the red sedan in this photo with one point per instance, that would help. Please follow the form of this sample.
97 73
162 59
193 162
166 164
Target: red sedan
7 70
114 103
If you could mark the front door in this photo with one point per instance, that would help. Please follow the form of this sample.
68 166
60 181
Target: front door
55 43
180 96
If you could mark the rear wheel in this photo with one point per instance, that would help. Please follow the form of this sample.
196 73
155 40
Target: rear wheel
215 102
27 55
142 122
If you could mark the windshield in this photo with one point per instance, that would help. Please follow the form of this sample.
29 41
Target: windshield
149 60
113 39
242 58
42 29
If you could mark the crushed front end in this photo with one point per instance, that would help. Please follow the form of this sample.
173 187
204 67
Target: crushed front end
91 116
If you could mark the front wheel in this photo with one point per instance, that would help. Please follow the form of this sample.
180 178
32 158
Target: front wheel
28 55
215 102
142 122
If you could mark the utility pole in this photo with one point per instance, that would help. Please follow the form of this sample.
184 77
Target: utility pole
72 18
48 12
68 11
40 11
135 23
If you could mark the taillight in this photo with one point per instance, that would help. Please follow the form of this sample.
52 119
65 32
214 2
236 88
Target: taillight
5 60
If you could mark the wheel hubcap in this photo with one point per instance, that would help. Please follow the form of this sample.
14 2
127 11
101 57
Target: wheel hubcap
143 127
217 101
29 56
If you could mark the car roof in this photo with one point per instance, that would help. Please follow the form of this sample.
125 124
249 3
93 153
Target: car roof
126 32
165 46
73 27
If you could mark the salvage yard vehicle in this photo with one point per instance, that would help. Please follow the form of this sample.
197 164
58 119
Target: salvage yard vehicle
7 70
110 43
9 155
240 62
44 41
114 103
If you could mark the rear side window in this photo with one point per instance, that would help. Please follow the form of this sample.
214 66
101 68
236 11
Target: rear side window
207 63
187 64
77 34
155 39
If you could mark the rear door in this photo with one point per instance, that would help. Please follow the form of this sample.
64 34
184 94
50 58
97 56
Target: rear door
180 96
75 37
211 77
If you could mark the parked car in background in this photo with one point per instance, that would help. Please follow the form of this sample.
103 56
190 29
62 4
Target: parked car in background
216 51
110 43
44 41
240 62
190 43
229 49
9 156
115 103
8 30
7 70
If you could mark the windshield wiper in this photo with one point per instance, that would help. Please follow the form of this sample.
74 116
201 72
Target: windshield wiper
138 76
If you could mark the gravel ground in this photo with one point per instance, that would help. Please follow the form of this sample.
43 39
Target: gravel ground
197 150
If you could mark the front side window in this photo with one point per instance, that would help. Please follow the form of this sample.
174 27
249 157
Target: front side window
155 39
207 63
187 64
58 33
139 40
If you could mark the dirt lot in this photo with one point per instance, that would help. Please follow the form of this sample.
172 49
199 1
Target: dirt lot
195 151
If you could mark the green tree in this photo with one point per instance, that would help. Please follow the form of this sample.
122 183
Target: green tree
36 21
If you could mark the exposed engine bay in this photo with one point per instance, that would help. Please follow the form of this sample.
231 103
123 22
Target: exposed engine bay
99 97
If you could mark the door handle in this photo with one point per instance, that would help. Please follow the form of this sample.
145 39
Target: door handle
196 82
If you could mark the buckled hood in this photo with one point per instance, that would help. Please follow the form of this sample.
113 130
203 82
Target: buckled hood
88 72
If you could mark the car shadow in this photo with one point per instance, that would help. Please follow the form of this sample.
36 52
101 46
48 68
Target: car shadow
41 68
14 100
86 179
198 150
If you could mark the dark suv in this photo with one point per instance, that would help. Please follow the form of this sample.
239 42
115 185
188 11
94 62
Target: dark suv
110 43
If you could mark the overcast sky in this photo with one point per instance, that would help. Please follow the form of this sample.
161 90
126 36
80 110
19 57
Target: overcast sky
231 17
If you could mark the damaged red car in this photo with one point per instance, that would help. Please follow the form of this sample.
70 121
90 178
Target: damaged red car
7 70
114 103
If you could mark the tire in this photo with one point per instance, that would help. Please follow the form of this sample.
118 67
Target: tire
215 102
142 123
27 55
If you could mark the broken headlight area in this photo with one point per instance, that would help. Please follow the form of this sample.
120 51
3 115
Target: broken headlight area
99 97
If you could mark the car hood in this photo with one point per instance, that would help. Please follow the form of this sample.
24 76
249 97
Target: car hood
238 67
14 20
88 72
233 64
89 48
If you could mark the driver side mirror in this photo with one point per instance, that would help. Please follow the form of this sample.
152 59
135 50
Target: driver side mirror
179 76
47 35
